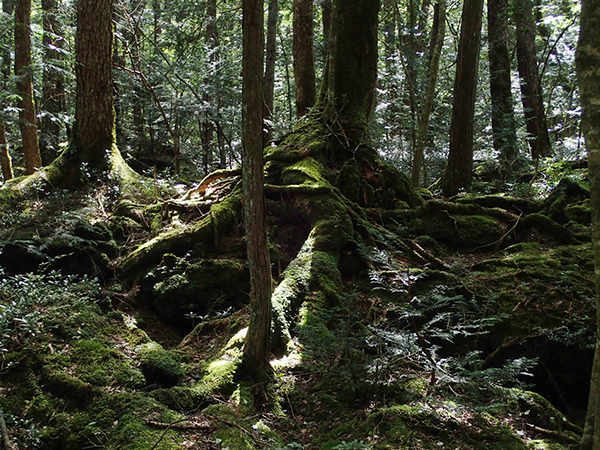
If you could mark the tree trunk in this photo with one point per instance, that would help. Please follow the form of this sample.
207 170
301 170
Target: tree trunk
435 50
531 89
53 91
351 73
257 347
503 113
588 61
459 171
326 19
304 64
24 75
94 130
270 58
5 159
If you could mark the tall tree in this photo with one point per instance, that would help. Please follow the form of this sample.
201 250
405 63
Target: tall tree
435 50
351 73
588 61
5 159
257 346
270 59
459 171
53 91
503 113
94 129
304 64
24 75
531 88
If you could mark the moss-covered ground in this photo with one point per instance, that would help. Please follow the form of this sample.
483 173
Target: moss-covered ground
399 323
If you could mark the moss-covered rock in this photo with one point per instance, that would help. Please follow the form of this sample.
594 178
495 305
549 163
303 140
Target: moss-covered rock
176 289
159 365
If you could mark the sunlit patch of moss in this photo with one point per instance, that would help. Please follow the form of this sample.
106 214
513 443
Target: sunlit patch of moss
159 365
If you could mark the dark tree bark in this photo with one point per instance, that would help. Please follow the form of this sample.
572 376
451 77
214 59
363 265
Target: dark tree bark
53 91
351 73
503 113
24 75
270 58
588 61
5 159
459 171
210 96
326 19
256 349
531 89
94 129
435 50
304 64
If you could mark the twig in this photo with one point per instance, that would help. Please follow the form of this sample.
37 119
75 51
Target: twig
499 241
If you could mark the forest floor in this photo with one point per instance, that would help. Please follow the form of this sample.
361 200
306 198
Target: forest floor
471 328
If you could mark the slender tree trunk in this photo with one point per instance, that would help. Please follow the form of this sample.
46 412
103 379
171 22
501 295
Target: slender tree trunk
459 171
53 91
24 75
438 32
271 55
503 113
348 87
94 130
588 61
326 19
210 89
304 64
531 88
257 346
5 159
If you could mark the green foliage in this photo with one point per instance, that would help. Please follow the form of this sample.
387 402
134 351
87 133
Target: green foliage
35 304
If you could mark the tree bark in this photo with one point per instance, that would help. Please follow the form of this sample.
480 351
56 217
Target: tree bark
304 64
270 59
24 75
94 129
531 88
435 50
351 73
503 113
5 159
257 346
588 61
459 171
53 91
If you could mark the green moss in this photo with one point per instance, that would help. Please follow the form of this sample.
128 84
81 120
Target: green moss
160 366
174 290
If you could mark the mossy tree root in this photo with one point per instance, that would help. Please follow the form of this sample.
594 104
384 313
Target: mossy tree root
221 217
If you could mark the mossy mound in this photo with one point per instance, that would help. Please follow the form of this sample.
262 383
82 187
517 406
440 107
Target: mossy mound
180 291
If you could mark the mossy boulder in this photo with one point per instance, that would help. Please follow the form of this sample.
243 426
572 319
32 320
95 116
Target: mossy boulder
159 365
177 288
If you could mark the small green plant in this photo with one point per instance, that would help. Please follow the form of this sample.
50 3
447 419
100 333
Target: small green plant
353 445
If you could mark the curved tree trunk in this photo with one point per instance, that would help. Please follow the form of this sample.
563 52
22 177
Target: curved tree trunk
503 113
23 73
588 61
304 64
531 88
257 346
459 172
